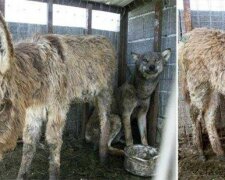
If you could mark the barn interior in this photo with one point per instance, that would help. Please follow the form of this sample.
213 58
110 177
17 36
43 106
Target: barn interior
195 14
132 26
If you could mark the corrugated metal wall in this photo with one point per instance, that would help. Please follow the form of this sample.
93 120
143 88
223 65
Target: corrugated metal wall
140 40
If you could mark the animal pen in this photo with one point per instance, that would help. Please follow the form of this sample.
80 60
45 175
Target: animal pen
196 14
132 26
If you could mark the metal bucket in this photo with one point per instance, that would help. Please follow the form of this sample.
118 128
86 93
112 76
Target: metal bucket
140 160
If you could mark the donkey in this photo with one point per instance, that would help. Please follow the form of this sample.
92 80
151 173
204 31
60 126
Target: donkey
39 78
133 98
202 60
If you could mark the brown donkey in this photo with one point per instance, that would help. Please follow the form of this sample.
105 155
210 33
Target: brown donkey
202 58
38 81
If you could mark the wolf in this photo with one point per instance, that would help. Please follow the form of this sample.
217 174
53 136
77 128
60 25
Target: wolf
38 80
132 99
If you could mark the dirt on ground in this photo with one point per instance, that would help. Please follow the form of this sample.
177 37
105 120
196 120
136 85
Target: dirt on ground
78 161
191 167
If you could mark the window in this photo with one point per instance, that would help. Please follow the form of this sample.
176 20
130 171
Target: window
22 11
69 16
105 21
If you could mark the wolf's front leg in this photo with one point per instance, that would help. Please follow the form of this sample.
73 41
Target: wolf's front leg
127 128
142 122
142 127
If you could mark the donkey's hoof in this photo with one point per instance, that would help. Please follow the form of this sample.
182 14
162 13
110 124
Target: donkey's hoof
202 158
221 158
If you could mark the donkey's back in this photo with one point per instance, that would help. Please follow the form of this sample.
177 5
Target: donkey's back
85 65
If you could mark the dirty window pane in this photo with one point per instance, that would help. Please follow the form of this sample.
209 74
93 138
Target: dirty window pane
22 11
69 16
102 20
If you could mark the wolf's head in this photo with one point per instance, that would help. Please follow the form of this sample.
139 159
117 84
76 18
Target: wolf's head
149 65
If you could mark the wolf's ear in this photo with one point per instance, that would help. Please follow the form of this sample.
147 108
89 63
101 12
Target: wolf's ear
135 56
6 47
166 54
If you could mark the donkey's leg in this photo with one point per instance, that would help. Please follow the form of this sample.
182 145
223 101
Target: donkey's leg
210 118
103 105
31 135
54 132
196 117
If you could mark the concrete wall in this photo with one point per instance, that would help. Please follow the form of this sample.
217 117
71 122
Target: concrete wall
209 19
140 40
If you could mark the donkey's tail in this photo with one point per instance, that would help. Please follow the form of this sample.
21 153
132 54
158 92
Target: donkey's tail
182 74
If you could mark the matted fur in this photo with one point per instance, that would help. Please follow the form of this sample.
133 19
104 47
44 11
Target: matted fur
202 59
44 75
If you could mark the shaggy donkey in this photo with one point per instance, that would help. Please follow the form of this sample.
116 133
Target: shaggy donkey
38 81
202 58
133 98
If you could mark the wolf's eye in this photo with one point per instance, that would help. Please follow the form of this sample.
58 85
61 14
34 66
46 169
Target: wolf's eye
145 60
2 106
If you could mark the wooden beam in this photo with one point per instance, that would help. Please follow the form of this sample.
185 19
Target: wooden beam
83 4
2 7
180 24
152 115
89 19
187 16
136 3
50 16
122 64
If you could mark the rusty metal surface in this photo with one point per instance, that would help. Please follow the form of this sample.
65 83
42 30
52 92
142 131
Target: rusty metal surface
140 160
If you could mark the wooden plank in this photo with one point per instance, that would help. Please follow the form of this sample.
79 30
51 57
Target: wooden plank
152 116
50 16
86 105
83 4
180 24
122 64
89 19
136 3
2 7
187 15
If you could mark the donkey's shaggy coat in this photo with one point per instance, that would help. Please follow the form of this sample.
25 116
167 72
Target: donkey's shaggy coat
38 81
202 57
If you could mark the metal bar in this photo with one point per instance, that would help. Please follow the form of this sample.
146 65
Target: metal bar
122 65
50 16
152 115
187 16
